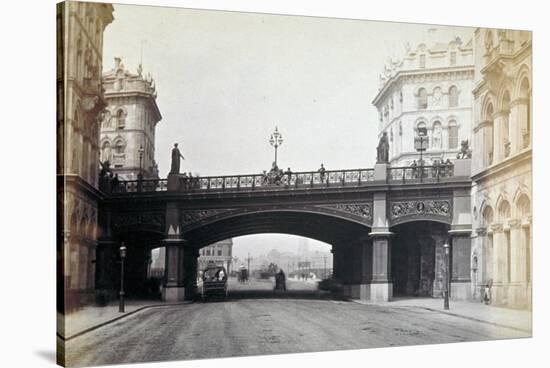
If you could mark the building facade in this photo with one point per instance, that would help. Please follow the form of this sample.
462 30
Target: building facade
80 103
427 93
502 168
129 122
220 253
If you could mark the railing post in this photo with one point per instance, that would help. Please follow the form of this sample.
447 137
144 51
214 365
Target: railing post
239 182
311 181
359 179
404 174
253 182
295 180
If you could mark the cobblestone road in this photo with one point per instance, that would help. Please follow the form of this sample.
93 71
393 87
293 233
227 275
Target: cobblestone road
246 326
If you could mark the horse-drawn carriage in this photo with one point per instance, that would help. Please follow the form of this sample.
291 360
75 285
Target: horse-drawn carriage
214 282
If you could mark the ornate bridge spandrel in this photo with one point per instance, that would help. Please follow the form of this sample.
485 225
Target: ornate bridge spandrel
152 221
424 209
362 211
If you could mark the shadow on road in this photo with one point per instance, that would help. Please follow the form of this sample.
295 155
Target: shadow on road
289 294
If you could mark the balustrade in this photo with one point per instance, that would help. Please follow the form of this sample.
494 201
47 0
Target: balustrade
288 181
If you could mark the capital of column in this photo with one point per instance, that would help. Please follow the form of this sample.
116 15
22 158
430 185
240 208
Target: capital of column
381 233
497 228
519 101
514 223
481 231
175 241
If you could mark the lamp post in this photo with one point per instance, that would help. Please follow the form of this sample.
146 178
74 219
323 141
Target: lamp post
276 140
446 278
122 250
421 144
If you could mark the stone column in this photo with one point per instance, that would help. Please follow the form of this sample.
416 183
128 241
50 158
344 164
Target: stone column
174 271
191 258
517 291
381 287
500 272
359 265
497 137
460 264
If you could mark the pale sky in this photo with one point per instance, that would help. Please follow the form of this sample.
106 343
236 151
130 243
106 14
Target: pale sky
226 79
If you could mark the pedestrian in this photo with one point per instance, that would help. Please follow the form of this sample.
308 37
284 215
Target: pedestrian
322 173
288 174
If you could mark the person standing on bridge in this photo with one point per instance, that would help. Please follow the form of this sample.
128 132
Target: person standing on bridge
175 169
322 172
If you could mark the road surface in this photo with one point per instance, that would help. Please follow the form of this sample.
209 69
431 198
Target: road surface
244 325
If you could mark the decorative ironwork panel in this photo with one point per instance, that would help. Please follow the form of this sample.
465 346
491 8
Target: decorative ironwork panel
421 207
363 210
191 216
121 220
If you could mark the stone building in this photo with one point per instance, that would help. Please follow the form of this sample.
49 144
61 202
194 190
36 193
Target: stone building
427 93
502 168
80 28
220 253
128 125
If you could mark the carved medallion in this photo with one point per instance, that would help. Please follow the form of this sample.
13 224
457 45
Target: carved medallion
424 207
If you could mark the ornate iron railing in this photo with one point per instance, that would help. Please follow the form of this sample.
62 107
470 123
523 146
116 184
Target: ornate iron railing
335 178
136 186
420 173
286 181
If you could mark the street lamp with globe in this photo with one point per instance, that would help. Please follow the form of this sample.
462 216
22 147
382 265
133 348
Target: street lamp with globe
276 140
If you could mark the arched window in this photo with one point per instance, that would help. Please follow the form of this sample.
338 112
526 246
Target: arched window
453 96
119 147
453 134
106 152
437 135
120 119
489 134
421 129
505 134
525 120
422 99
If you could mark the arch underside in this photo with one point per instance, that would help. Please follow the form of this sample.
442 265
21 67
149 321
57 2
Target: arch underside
328 229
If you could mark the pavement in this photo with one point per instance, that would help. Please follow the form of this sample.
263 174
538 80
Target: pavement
512 318
93 317
254 326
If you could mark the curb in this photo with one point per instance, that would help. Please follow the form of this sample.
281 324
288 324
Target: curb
450 314
116 319
471 319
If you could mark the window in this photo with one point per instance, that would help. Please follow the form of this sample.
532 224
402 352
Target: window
119 147
106 152
453 58
525 120
422 131
422 99
120 119
422 61
506 124
453 134
437 135
219 252
453 96
489 134
208 252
